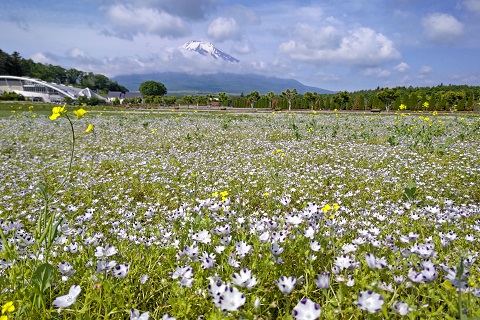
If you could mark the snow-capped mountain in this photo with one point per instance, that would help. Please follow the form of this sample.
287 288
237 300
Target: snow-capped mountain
206 49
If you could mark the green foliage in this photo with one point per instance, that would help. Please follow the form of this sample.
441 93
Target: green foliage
15 65
342 99
252 98
452 98
11 96
152 88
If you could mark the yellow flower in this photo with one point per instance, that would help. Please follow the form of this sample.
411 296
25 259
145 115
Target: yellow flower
266 194
402 107
3 317
80 113
425 105
89 128
336 206
224 193
326 208
215 194
314 112
8 307
57 112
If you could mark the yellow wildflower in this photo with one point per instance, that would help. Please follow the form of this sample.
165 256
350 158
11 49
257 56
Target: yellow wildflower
89 128
80 113
326 208
336 206
224 193
215 194
57 112
314 112
402 107
8 307
266 194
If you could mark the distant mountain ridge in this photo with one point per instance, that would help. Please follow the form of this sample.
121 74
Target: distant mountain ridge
207 49
185 83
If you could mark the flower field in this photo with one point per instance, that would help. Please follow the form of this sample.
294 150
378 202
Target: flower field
193 215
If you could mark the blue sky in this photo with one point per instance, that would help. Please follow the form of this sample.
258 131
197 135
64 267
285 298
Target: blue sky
336 45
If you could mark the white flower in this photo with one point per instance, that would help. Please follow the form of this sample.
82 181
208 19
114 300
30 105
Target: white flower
242 248
286 284
374 262
276 249
369 301
104 265
315 246
208 260
306 309
203 236
108 251
121 270
216 287
401 307
244 278
135 315
230 300
69 299
144 278
323 280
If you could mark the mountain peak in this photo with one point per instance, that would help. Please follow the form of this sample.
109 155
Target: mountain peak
207 48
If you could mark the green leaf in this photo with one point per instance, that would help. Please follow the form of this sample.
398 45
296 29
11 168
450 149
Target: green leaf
43 277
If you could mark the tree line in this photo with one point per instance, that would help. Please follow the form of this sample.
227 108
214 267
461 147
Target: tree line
440 98
14 65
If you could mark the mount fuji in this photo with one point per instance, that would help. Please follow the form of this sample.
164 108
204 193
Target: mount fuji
206 48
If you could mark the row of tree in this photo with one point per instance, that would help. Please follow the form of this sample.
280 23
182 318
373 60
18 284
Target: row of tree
15 65
381 99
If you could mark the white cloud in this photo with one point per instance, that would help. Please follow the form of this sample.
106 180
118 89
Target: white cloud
223 28
187 9
129 21
402 67
442 28
376 72
323 76
42 58
425 69
242 48
361 46
472 5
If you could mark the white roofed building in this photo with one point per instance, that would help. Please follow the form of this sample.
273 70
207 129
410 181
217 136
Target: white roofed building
39 90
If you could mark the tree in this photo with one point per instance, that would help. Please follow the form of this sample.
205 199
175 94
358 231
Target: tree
152 88
470 102
452 98
388 96
270 96
342 99
289 95
311 99
223 98
253 97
